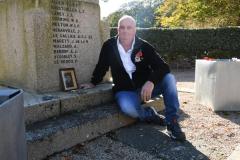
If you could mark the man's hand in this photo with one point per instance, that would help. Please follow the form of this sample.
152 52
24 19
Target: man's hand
146 91
86 86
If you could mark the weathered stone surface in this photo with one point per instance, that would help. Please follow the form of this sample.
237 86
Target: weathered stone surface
86 100
40 107
40 37
53 135
48 137
42 111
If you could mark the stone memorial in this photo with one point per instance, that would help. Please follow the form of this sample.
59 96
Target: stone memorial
39 37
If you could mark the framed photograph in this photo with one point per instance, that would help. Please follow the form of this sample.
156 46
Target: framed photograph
68 79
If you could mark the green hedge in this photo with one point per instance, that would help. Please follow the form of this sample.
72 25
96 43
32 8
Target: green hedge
214 42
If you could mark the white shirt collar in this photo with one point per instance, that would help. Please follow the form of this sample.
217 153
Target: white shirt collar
130 50
126 58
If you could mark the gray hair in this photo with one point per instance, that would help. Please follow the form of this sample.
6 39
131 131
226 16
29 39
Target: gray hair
126 17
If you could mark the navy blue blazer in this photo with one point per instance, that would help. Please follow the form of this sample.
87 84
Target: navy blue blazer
149 66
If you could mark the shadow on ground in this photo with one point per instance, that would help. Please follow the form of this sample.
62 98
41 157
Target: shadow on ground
232 116
182 114
153 140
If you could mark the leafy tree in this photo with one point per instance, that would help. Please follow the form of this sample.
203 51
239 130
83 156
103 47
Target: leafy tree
198 13
113 18
142 10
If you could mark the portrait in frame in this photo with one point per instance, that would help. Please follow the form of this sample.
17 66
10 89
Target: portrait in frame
68 79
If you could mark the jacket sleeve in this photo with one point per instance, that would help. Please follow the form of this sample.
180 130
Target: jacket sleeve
102 66
158 66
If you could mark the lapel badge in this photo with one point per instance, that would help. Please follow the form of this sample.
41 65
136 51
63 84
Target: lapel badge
139 56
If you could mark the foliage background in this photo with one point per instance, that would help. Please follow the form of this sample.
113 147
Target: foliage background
180 13
183 30
198 13
180 47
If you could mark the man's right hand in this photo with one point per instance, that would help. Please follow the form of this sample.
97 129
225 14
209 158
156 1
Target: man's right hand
86 86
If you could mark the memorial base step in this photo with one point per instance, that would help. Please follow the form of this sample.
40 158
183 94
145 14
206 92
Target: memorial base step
56 134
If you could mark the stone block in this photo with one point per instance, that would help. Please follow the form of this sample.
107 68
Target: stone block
39 107
217 84
77 102
53 136
37 38
42 111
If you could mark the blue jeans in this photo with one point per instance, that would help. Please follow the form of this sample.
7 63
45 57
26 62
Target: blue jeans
130 101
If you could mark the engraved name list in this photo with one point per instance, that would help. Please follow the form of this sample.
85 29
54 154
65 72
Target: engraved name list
67 36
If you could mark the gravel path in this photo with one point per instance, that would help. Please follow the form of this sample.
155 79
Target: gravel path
216 134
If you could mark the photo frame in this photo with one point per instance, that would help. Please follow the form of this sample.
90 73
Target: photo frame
68 79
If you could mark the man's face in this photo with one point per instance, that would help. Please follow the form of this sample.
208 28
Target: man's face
126 31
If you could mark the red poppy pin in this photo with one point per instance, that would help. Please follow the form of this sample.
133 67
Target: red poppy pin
139 56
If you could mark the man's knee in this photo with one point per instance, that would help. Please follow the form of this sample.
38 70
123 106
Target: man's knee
169 78
129 110
169 81
128 103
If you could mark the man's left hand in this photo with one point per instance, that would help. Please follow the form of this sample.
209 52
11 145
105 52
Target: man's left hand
146 91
